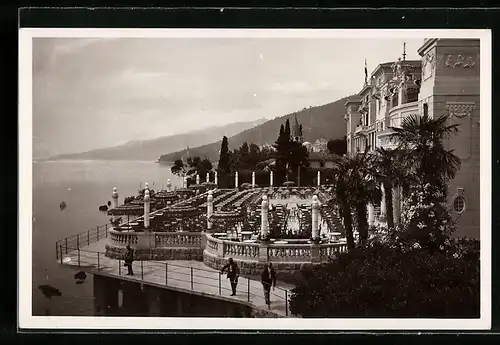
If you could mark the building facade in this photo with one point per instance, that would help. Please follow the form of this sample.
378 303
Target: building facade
444 81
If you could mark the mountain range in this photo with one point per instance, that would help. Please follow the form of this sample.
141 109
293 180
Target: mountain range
325 121
152 149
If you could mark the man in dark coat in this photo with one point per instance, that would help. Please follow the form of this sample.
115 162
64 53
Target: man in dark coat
268 279
129 258
233 273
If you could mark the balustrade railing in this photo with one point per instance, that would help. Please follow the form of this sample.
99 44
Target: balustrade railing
184 239
294 251
289 252
239 249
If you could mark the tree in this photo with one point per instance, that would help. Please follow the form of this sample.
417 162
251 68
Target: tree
387 169
179 168
338 146
243 156
362 189
223 167
253 156
281 146
422 138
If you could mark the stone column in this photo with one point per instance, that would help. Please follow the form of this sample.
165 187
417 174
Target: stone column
115 200
271 178
264 225
216 180
319 178
207 178
185 182
147 201
236 180
371 214
169 185
197 179
210 209
315 212
253 179
382 202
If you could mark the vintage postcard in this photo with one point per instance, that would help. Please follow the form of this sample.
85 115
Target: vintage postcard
257 179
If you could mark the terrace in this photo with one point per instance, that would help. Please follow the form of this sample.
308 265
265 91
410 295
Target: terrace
292 227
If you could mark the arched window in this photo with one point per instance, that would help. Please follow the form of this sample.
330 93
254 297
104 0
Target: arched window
426 109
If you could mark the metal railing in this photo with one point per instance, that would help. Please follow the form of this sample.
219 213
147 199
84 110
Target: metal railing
175 275
83 239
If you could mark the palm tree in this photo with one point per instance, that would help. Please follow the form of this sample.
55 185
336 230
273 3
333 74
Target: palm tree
422 137
390 169
341 192
363 189
356 187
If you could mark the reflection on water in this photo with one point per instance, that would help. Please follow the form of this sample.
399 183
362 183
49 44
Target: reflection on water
83 186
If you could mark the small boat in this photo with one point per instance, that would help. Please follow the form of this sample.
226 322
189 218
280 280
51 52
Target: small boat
62 205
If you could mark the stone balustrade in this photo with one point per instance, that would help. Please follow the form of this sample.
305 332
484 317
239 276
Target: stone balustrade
273 252
161 239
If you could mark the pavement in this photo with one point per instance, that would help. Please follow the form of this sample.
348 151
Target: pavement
182 275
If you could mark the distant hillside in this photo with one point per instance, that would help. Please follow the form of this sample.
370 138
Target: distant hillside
325 121
152 149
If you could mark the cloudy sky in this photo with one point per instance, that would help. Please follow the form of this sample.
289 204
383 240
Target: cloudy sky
90 93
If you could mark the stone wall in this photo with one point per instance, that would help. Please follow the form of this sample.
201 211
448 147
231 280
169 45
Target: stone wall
289 272
160 254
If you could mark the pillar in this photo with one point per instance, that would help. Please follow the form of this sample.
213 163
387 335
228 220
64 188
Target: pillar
371 214
264 225
236 180
271 178
216 180
315 213
115 200
253 179
197 179
185 182
207 178
169 185
319 178
210 209
382 202
147 201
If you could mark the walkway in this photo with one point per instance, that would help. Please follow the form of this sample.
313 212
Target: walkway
185 276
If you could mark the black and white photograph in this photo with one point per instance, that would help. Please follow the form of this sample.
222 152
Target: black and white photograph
297 179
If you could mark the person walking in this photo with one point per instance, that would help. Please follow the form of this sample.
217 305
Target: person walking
233 272
129 258
268 279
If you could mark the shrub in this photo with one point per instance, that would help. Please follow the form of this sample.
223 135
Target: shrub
426 217
393 282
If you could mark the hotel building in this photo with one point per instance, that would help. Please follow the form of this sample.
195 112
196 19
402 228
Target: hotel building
444 81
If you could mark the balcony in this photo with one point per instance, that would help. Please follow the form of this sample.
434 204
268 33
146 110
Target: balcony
360 129
398 113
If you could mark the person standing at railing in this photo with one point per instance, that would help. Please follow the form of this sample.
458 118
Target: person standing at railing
268 279
129 258
233 272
